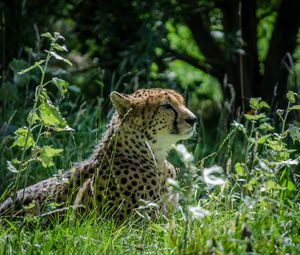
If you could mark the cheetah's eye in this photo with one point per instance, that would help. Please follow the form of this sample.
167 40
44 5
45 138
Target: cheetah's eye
167 106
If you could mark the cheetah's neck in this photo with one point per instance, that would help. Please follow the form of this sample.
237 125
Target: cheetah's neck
119 143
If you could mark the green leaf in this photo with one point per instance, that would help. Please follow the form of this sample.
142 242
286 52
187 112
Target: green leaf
60 84
44 96
251 140
250 184
263 139
58 57
248 187
276 145
48 35
265 126
11 167
50 152
253 181
54 204
32 117
254 117
36 64
256 103
46 155
29 206
157 228
295 107
239 169
61 48
263 104
269 185
291 96
239 127
294 133
58 36
20 139
290 186
51 116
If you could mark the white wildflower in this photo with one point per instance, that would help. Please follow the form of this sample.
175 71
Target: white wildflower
264 166
198 212
172 182
289 162
184 154
211 175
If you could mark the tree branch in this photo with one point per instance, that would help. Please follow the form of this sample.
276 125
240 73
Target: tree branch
199 27
266 14
188 59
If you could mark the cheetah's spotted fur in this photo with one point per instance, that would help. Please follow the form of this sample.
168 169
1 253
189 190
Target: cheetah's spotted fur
128 165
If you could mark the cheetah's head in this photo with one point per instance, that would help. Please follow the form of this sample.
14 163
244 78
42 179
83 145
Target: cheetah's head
158 116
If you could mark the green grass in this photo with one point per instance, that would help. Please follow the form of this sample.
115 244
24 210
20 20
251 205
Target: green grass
240 221
251 228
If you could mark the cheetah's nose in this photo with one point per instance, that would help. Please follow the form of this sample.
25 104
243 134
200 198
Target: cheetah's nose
191 120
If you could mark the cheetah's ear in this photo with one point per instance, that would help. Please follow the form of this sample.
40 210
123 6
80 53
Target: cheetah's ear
121 102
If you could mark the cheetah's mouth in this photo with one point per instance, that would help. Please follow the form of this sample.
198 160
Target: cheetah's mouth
189 132
186 133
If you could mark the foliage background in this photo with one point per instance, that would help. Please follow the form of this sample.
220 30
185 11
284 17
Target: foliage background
218 54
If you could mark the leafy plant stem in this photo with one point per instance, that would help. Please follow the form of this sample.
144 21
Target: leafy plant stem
285 118
36 100
248 142
36 142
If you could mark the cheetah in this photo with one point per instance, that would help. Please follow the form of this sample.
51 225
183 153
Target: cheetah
127 167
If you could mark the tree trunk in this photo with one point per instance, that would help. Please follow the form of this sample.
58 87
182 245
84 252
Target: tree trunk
251 77
283 41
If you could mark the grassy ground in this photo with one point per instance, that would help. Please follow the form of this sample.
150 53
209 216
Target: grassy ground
253 230
218 215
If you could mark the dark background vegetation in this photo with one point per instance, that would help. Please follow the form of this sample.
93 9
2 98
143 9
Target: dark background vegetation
217 53
251 45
